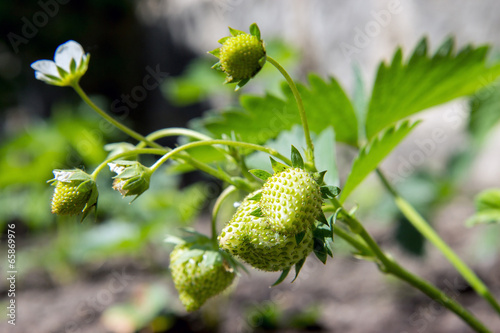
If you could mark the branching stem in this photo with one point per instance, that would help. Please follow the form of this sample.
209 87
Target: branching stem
390 266
428 232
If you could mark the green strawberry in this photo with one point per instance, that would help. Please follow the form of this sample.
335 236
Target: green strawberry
240 55
291 200
75 192
198 274
251 239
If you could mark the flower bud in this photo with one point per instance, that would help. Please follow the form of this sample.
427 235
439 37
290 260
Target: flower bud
75 192
132 177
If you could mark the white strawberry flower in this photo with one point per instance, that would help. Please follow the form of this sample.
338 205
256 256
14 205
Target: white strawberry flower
69 65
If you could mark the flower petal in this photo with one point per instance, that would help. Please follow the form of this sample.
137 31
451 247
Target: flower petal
45 67
67 51
48 79
114 167
62 175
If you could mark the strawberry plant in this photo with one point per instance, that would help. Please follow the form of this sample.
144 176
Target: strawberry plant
298 209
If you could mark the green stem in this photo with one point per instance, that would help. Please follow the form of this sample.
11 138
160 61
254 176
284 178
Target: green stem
193 162
177 150
129 153
174 131
360 246
428 232
302 112
230 189
110 119
390 266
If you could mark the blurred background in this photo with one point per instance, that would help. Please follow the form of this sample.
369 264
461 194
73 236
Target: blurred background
109 273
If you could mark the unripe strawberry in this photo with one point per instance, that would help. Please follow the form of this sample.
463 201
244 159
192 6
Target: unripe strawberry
291 200
241 55
75 192
197 275
251 239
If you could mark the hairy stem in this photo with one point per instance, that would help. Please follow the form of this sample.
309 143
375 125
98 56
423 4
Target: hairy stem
177 150
230 189
185 157
428 232
302 112
390 266
113 121
174 131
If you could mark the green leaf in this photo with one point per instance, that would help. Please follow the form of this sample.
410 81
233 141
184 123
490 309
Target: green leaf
254 30
223 39
261 118
188 254
282 277
72 65
360 101
322 236
488 199
326 104
235 32
171 239
484 112
488 208
408 237
297 161
241 84
322 218
370 156
484 217
403 89
211 259
333 218
257 213
324 155
216 53
319 177
320 250
62 72
298 267
299 237
324 151
329 192
261 174
277 166
256 197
